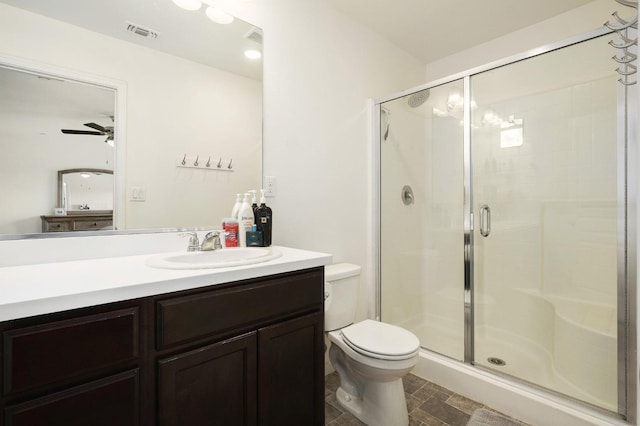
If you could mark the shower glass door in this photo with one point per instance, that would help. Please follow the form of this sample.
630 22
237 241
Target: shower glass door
422 256
543 160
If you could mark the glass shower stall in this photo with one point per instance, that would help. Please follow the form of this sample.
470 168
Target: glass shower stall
504 240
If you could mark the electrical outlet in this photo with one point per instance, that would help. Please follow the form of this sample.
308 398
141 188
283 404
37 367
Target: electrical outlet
269 186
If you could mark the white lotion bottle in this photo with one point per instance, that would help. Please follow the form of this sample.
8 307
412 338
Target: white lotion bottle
236 206
245 219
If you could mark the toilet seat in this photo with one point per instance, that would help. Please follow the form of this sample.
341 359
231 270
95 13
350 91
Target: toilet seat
379 340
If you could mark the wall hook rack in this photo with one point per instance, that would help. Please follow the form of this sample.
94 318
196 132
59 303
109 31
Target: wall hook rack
192 161
626 30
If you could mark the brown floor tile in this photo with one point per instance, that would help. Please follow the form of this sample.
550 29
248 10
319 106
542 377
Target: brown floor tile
463 404
425 418
424 393
444 412
412 402
346 419
427 403
412 383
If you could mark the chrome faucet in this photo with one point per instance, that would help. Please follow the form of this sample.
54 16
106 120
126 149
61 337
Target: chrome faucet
211 241
194 244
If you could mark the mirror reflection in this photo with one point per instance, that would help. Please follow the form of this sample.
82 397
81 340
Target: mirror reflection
124 102
85 191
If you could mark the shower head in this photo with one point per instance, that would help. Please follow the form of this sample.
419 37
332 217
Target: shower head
418 98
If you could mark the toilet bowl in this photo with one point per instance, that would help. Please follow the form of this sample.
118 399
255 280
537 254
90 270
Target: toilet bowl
371 357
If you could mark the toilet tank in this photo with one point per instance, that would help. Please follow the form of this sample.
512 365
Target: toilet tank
341 294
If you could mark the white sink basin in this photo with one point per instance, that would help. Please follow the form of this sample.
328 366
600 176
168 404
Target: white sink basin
224 258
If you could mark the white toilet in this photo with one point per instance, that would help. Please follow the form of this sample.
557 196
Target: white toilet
370 357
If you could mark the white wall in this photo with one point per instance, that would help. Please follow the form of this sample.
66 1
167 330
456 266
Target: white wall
221 117
561 27
320 69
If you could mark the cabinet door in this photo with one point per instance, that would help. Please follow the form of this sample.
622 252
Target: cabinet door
291 372
212 385
105 402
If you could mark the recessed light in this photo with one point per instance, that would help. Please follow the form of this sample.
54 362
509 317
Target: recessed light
218 16
253 54
189 4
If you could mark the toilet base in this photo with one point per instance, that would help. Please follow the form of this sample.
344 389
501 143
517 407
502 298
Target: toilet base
381 404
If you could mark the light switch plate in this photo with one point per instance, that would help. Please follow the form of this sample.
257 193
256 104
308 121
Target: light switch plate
138 193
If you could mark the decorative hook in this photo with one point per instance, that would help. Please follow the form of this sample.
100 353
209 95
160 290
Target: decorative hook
629 3
184 160
627 83
208 162
195 163
625 44
229 166
220 163
628 57
629 70
623 24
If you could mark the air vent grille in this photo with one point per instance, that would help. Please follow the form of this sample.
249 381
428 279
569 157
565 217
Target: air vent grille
142 31
255 35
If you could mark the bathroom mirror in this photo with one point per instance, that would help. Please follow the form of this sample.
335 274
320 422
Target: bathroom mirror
183 92
85 190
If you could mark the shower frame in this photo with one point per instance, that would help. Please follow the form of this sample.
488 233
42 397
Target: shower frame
627 187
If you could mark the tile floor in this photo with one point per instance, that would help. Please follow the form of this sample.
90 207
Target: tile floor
428 404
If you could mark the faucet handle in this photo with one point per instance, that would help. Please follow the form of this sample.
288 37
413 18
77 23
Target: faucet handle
194 244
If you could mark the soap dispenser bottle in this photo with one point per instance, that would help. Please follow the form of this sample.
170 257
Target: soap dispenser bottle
245 219
254 205
264 216
236 206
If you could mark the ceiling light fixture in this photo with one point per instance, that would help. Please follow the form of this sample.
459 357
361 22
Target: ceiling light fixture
188 4
253 54
218 16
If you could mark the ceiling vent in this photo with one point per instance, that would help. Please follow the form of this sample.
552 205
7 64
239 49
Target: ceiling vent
255 35
141 31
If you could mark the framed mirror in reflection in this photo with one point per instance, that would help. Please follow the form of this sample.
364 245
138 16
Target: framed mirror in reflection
99 95
82 191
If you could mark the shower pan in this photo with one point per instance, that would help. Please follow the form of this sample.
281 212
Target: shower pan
514 254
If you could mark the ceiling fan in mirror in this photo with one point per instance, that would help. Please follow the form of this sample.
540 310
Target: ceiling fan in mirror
98 131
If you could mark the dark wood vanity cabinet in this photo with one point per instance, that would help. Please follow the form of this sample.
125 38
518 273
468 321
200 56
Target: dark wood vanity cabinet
242 353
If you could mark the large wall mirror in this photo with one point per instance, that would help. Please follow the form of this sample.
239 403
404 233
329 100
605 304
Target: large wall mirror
162 97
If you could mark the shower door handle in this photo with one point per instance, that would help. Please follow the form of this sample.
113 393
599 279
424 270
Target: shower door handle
485 220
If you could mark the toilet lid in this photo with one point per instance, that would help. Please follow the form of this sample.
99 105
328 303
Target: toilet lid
379 340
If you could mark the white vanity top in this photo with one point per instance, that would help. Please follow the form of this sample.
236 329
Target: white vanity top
37 289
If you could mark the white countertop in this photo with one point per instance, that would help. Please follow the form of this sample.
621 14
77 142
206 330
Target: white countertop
52 287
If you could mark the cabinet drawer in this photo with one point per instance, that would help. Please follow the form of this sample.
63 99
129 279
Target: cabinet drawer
57 226
106 402
44 354
236 309
88 225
